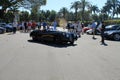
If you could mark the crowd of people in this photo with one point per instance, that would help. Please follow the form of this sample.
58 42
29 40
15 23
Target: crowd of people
27 26
75 27
24 26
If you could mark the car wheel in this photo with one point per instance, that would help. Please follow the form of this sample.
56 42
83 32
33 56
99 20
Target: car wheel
1 32
34 39
71 40
116 37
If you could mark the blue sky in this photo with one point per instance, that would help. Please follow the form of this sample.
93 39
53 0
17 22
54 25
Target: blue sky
58 4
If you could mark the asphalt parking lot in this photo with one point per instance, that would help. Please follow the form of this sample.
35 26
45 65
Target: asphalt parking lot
87 59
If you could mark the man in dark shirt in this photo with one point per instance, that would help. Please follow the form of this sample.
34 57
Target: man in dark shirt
102 33
44 25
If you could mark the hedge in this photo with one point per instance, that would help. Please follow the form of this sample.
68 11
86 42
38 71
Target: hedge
108 22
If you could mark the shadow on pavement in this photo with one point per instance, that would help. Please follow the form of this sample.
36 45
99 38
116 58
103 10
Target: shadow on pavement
53 44
112 40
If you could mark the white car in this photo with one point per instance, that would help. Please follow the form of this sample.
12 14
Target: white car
97 30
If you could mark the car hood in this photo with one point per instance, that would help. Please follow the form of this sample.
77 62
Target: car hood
112 31
2 28
9 26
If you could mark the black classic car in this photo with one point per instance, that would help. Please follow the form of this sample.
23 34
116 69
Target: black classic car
55 36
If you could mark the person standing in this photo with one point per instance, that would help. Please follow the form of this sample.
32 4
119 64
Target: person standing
102 33
55 25
29 26
26 27
94 24
33 25
75 27
14 27
79 29
39 25
68 26
82 28
22 27
44 24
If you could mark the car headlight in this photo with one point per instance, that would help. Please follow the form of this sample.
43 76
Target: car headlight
67 35
75 35
63 33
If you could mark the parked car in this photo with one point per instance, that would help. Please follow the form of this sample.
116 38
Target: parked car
86 28
8 26
2 24
112 32
97 30
2 30
55 36
90 31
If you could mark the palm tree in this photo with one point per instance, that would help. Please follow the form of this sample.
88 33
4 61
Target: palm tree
47 15
35 7
84 4
76 6
64 12
94 9
52 15
118 10
106 10
113 5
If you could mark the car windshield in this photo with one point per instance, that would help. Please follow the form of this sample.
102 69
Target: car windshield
111 27
2 25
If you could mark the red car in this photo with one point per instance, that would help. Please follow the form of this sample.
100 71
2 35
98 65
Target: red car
86 28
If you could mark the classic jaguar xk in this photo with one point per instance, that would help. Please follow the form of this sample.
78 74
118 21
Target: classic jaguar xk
55 36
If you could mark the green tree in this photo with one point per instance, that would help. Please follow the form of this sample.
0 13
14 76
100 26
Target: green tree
84 4
24 16
5 4
94 9
9 16
53 15
70 16
76 5
64 12
34 14
87 15
118 10
106 10
35 7
42 15
113 6
47 15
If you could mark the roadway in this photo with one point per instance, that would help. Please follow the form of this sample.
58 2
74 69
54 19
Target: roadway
23 59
